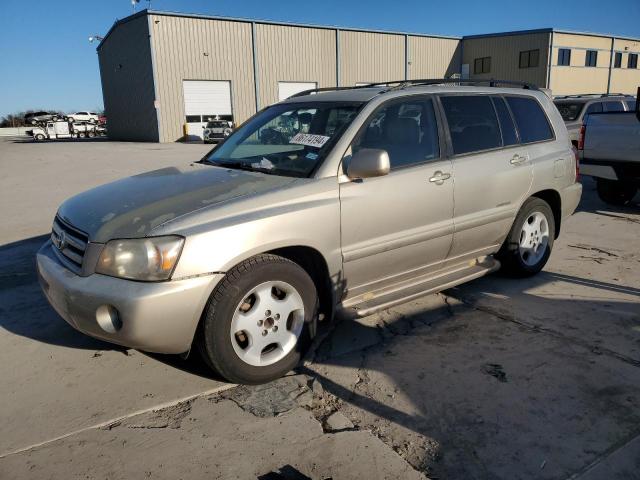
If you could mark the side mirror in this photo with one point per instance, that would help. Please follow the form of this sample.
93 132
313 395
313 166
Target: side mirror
369 162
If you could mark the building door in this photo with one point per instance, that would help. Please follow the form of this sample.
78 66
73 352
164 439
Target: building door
205 100
287 89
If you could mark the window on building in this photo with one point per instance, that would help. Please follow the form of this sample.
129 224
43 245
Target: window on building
564 56
617 61
473 124
591 60
531 120
632 61
482 65
529 58
407 130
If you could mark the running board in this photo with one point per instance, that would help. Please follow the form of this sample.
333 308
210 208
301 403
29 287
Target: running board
372 302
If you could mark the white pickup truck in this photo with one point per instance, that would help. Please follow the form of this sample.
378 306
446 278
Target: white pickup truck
609 149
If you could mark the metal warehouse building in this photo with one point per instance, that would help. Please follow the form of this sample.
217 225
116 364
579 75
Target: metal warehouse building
161 71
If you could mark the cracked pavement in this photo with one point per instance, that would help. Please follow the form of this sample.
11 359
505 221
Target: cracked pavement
498 378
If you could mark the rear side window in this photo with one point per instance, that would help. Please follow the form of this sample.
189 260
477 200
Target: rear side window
613 107
508 129
473 124
631 104
569 111
531 120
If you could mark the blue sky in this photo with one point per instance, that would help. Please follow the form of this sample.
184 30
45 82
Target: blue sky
47 62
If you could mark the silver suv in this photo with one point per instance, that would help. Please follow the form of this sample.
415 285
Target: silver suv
575 109
350 200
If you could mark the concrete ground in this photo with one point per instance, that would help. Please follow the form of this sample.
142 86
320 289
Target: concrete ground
498 378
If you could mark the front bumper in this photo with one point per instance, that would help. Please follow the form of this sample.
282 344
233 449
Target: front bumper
156 317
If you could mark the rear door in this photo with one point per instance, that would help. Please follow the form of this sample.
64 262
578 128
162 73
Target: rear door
492 171
399 225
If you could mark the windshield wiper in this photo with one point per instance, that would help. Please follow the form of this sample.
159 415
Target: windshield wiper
241 166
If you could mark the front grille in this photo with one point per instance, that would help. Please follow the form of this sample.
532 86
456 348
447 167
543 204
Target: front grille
69 243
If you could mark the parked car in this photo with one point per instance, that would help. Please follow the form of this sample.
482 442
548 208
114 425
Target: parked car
576 108
83 117
610 152
240 255
35 117
216 130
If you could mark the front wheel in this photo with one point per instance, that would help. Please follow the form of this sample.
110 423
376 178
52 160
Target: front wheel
39 137
256 325
616 192
528 246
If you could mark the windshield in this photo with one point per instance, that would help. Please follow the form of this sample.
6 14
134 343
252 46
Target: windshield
569 111
217 124
288 139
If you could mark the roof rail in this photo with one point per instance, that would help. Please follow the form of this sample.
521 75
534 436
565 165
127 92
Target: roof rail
402 84
593 95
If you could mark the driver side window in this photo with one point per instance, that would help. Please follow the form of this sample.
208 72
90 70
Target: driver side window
406 129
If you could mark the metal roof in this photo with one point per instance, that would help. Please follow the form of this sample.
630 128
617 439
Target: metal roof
352 29
266 22
548 30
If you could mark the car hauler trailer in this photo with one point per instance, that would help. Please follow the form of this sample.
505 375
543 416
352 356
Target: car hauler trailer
53 130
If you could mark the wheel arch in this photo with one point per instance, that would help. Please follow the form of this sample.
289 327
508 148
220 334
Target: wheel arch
314 263
552 197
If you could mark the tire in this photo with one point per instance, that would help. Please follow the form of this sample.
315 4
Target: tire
530 240
39 137
246 356
91 134
616 192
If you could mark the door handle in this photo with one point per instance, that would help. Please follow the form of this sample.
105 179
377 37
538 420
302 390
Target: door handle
439 177
518 159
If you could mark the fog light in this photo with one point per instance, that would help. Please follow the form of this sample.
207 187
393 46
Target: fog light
108 318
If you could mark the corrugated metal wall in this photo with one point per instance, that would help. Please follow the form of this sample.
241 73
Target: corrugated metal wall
370 57
127 82
200 49
433 57
576 78
294 54
505 56
626 80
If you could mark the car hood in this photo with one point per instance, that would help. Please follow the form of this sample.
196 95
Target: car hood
134 206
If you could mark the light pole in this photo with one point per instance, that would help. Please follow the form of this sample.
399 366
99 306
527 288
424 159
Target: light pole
95 38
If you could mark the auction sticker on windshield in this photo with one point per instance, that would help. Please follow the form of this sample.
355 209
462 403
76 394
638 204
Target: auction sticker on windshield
309 140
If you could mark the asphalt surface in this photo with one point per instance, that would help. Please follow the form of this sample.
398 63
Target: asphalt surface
498 378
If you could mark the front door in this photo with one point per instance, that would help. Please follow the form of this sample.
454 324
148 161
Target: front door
399 225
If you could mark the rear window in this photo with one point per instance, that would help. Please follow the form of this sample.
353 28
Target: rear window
473 124
531 120
569 111
613 107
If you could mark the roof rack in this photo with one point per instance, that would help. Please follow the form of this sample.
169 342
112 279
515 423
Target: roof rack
402 84
592 95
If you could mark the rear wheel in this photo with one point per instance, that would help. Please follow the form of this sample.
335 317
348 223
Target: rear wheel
615 192
39 137
528 245
91 134
256 325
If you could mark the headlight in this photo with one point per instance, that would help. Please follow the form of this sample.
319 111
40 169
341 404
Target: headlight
149 259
